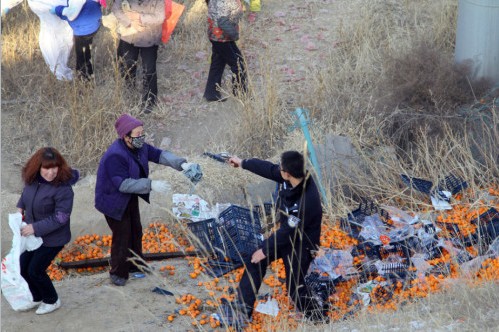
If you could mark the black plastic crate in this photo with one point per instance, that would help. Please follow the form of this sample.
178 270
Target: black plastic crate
369 249
376 251
204 232
238 233
393 270
456 235
353 223
268 208
488 225
401 249
420 185
452 183
217 268
319 285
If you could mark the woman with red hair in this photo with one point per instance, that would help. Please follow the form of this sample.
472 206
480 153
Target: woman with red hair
46 204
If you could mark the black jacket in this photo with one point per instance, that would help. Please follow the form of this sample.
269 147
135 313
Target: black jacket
302 201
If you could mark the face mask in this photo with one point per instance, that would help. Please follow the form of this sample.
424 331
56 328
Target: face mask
138 142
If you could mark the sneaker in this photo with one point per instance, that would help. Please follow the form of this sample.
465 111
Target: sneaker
46 308
118 281
29 306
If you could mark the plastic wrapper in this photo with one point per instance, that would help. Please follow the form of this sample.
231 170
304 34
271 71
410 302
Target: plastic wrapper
372 229
398 215
335 263
270 307
494 248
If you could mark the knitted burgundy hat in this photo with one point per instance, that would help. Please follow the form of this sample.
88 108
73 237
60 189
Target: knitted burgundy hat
125 124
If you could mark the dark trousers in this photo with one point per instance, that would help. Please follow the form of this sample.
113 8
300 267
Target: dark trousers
34 266
127 235
296 267
83 50
222 54
128 55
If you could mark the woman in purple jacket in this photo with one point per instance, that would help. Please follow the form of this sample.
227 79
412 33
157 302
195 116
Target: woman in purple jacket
122 178
46 204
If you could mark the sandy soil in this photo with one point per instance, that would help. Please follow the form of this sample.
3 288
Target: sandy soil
91 303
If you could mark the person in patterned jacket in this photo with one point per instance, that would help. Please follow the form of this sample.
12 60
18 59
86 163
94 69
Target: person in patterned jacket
223 32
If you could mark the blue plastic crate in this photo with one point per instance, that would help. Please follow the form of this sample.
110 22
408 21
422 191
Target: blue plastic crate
204 235
238 233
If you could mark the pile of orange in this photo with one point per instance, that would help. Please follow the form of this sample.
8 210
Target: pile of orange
157 238
386 294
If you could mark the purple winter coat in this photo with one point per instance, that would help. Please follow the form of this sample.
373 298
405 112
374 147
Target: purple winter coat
48 208
118 164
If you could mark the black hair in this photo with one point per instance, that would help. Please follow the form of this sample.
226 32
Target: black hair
293 163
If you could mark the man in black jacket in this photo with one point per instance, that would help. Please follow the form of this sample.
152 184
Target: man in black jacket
299 212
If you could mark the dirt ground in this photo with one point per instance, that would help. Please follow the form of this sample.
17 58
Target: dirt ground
91 303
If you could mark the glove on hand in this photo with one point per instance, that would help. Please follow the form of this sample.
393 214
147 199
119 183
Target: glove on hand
160 186
192 172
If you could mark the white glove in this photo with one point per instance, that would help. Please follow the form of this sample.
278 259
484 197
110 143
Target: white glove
160 186
186 166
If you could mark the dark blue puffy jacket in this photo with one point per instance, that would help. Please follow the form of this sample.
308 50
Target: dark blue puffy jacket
87 21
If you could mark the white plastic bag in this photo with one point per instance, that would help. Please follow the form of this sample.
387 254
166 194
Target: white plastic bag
55 38
271 307
14 287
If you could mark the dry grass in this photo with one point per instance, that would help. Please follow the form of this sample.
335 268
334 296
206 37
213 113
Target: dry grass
406 108
457 308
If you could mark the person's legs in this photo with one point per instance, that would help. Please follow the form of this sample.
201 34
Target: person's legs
121 243
231 55
296 266
136 232
254 7
83 50
128 55
149 57
217 67
34 270
25 260
251 281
